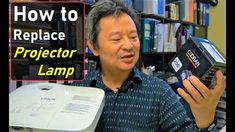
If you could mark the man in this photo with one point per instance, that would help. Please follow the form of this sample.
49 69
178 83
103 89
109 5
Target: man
133 100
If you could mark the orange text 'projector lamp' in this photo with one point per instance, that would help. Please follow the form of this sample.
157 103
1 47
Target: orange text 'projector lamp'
51 107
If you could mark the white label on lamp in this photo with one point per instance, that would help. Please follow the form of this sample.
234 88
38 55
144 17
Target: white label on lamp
176 64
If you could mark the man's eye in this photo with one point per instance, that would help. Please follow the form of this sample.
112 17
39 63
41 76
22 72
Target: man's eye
116 40
133 37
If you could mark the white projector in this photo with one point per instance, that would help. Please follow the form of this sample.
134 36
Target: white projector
52 107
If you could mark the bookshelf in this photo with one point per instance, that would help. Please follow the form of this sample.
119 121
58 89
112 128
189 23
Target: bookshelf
191 29
164 19
180 20
196 24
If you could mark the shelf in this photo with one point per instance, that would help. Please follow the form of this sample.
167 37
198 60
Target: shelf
166 20
20 61
90 56
158 53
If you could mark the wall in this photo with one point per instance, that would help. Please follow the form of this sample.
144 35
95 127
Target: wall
217 27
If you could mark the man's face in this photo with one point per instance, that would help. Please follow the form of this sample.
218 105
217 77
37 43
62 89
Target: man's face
118 42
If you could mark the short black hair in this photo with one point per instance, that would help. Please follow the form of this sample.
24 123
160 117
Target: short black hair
104 8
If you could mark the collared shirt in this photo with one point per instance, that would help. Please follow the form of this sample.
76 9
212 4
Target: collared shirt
143 104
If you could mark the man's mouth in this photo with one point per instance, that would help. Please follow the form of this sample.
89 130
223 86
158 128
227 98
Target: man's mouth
127 56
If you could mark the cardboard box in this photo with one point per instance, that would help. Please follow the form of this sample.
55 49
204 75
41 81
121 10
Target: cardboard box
199 57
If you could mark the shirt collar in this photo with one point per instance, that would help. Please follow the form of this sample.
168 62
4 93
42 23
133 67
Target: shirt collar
95 76
137 76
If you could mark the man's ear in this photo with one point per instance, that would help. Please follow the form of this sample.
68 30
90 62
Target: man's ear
92 48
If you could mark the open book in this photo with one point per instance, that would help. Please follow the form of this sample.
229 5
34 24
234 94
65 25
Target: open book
55 107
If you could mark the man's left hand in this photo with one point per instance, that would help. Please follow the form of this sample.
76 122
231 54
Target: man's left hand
202 100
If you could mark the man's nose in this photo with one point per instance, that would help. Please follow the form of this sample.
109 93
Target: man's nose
127 44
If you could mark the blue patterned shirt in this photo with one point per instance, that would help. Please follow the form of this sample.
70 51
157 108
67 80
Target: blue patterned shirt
143 104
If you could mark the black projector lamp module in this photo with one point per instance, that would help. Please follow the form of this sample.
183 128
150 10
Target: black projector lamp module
198 57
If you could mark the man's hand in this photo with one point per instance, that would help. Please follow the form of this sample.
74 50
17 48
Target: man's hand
202 101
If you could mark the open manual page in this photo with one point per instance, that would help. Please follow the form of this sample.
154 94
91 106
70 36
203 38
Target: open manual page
55 107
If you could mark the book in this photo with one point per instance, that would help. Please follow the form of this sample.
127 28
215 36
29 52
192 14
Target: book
80 35
160 40
161 7
138 5
150 6
170 11
207 15
200 32
169 38
191 11
147 34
